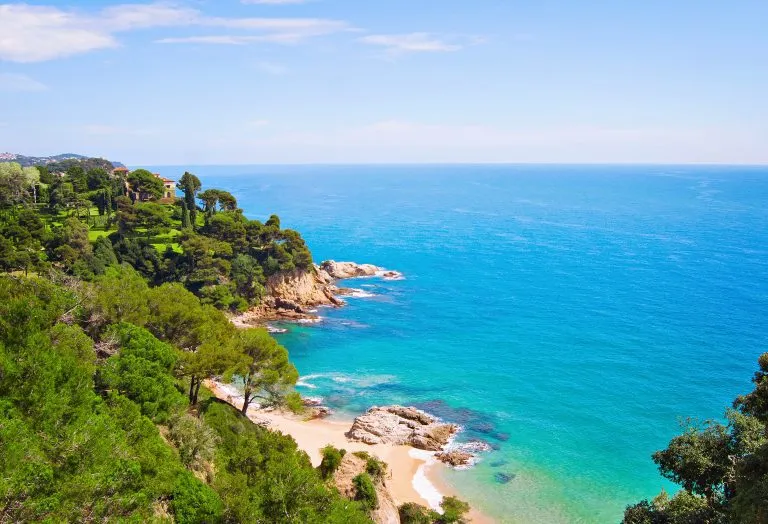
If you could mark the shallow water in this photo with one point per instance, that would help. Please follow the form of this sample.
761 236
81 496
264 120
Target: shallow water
569 316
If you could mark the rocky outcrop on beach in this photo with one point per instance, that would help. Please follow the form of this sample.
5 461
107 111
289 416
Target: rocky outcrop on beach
353 465
455 458
402 426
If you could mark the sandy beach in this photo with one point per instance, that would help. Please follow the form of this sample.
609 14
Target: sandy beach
412 471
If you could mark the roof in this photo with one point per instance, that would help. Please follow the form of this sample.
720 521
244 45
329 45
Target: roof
120 169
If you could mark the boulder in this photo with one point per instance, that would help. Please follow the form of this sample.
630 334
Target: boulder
401 426
342 270
455 458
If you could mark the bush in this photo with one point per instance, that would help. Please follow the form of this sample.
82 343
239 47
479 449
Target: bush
195 502
331 461
195 441
412 513
453 510
365 491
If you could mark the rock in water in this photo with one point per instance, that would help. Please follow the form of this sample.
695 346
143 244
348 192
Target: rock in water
455 458
342 270
401 426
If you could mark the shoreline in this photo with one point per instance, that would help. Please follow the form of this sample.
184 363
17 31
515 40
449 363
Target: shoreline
414 474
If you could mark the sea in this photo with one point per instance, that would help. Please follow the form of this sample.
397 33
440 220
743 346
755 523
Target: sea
572 317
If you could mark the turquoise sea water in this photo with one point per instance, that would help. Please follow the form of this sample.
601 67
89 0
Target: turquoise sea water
569 316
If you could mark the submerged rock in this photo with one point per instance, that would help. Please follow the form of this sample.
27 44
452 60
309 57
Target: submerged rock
498 463
504 478
401 426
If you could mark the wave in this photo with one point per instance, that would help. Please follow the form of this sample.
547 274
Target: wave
421 483
359 293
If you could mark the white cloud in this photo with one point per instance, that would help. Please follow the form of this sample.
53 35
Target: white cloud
37 33
18 82
412 43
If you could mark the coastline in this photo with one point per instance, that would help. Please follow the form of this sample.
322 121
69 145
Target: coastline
414 474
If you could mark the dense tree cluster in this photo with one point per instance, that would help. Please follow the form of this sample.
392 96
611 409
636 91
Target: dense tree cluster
202 240
722 468
80 435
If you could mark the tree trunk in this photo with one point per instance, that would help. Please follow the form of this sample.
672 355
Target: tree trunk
192 381
246 401
197 389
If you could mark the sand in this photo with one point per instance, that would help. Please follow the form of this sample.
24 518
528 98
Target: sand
414 474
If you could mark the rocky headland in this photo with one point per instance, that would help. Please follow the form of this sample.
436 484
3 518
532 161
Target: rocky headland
295 295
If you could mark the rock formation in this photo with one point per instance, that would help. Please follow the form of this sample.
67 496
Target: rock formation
455 458
342 270
351 466
401 426
292 295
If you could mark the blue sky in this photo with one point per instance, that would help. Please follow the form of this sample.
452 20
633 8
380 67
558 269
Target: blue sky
337 81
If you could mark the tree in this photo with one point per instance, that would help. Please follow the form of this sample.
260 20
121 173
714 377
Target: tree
209 198
248 277
153 217
194 439
190 185
145 185
12 184
70 242
264 368
32 180
723 469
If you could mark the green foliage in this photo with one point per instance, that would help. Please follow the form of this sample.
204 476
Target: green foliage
412 513
145 185
723 469
331 461
195 440
454 510
141 371
194 502
262 477
68 455
264 367
120 295
365 491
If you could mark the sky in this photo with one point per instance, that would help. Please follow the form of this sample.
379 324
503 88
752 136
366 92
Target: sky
387 81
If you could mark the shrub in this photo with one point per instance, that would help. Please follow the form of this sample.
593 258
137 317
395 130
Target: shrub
412 513
193 438
365 492
195 502
331 461
453 510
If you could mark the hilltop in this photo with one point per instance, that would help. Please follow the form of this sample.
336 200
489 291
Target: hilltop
64 158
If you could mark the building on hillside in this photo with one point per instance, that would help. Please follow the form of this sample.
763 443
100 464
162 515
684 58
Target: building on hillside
169 189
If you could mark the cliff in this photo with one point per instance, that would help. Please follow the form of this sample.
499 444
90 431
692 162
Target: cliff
294 294
351 466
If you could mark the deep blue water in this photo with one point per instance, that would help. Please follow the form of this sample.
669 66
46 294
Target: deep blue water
568 315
